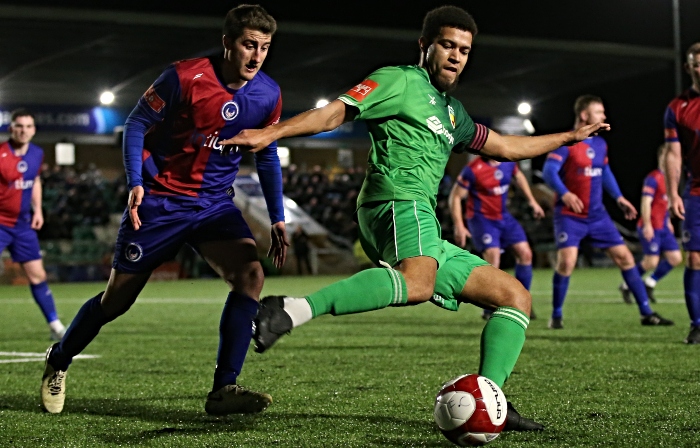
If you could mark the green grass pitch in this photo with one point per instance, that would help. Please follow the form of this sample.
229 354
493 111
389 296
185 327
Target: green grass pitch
365 380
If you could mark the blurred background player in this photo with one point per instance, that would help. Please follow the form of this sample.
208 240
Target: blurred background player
682 131
484 184
578 174
178 175
414 125
656 233
20 211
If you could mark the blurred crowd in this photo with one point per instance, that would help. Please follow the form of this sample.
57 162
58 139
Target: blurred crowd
77 197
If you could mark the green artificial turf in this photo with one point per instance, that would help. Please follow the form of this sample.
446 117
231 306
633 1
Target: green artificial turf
364 380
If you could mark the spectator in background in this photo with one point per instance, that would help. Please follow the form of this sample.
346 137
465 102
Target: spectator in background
20 211
300 244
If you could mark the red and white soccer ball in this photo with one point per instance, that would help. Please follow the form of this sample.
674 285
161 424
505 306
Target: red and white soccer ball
470 410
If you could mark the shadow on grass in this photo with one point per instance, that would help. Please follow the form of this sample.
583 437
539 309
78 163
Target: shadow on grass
189 422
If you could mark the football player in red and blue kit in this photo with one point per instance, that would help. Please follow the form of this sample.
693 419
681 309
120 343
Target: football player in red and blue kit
485 183
655 233
682 131
579 174
178 175
20 211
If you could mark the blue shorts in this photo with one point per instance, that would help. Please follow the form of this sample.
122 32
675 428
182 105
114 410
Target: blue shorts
601 231
690 230
167 223
22 243
663 241
487 233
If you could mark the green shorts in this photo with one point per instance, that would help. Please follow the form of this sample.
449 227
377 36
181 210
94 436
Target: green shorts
395 230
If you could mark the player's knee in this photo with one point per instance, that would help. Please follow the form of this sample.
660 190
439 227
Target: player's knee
249 280
693 261
525 257
419 291
565 266
515 295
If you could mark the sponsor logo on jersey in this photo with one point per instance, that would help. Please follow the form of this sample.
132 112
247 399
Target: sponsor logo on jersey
590 152
562 237
153 100
360 91
500 190
487 238
22 166
451 111
21 184
229 111
435 125
133 252
592 172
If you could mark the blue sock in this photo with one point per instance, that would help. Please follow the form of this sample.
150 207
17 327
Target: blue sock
82 330
640 269
635 284
663 268
44 298
560 285
235 332
523 272
691 283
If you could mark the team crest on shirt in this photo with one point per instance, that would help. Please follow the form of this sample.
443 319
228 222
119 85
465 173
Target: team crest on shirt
451 111
229 111
487 238
686 236
498 174
562 237
133 252
22 166
590 152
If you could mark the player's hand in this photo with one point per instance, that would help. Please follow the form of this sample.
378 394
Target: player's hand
572 201
584 132
627 208
135 197
37 220
537 211
670 227
676 207
279 244
648 232
461 234
252 140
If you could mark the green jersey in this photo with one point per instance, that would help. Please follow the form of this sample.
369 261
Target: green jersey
413 128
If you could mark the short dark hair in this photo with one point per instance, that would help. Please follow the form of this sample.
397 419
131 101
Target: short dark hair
21 112
584 101
248 16
452 16
693 49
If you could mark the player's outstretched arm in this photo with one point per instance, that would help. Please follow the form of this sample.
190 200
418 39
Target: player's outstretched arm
672 165
518 147
461 233
311 122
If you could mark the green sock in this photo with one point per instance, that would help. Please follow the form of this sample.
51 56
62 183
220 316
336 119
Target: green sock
501 342
368 290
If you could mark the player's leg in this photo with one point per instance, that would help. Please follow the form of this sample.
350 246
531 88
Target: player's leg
402 236
671 257
623 258
691 275
236 261
121 292
486 238
568 233
467 278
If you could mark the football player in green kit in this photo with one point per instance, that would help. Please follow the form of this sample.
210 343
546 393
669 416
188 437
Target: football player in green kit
414 125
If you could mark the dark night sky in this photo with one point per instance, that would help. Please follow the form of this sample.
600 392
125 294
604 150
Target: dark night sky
634 105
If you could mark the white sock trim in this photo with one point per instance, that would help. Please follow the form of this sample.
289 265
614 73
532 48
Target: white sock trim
298 309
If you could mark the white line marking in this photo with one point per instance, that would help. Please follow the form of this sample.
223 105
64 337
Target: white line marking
34 357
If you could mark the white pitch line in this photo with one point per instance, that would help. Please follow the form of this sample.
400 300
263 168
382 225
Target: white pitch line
34 357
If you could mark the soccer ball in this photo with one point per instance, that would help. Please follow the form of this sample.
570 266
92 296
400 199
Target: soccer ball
470 410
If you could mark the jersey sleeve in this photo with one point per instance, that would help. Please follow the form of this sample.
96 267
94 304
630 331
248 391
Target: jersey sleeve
470 136
378 96
670 126
466 178
650 186
151 108
552 165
